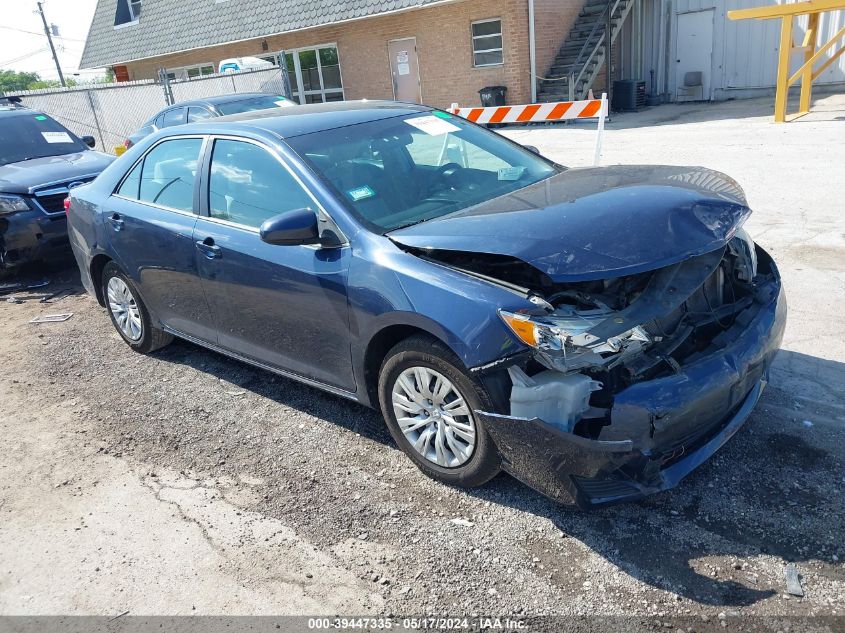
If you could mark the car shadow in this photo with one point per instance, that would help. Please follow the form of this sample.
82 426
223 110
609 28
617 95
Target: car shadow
340 411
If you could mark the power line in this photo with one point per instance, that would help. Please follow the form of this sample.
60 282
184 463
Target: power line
12 28
22 57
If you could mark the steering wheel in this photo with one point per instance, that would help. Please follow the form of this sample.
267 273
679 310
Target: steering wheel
448 169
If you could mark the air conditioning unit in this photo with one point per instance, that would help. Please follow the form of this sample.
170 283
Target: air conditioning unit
628 95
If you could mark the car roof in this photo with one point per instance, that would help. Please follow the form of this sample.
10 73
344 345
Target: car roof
240 96
317 117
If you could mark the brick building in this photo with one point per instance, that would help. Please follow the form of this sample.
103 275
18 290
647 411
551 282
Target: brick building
434 51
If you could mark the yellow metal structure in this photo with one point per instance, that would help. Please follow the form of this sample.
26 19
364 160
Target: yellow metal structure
787 14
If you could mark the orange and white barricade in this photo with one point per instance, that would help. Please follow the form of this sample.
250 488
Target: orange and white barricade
542 113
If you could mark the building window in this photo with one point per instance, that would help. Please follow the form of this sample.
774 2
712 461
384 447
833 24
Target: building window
487 43
315 74
190 72
128 11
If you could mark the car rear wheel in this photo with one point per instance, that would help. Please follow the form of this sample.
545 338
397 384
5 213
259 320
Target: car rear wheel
128 313
429 402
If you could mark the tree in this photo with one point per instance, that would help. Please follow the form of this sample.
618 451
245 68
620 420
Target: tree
13 81
51 83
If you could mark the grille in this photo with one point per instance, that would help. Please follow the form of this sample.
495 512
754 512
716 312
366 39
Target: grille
54 203
52 200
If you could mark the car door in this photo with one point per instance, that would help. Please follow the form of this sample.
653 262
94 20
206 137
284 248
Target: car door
150 222
283 306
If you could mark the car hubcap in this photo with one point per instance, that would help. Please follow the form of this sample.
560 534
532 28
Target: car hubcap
124 308
434 416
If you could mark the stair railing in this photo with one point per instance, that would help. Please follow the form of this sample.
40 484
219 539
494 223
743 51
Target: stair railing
600 22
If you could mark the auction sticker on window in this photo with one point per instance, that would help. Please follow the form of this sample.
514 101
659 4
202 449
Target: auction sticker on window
360 193
511 173
432 125
57 137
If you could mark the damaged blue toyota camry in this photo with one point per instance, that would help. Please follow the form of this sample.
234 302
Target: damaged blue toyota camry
598 333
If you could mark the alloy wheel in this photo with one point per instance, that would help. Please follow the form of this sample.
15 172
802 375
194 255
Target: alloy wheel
434 416
124 308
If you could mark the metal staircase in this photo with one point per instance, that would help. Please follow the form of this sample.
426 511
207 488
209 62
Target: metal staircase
581 57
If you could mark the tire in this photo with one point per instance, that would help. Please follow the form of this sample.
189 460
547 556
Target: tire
468 469
141 335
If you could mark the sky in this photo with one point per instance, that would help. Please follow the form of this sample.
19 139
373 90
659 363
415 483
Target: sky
23 45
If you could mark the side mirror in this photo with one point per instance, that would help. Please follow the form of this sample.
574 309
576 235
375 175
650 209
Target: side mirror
90 141
291 228
533 149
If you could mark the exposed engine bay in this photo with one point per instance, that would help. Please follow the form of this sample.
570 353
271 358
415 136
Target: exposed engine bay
593 339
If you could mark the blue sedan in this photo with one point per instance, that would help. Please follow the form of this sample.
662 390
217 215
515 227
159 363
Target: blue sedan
598 333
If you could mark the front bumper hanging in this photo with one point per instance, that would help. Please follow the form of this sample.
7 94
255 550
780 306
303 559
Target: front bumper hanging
660 430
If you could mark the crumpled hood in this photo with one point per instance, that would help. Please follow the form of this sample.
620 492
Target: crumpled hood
593 223
28 175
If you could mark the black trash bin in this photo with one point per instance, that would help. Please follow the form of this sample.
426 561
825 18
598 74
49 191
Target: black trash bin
493 96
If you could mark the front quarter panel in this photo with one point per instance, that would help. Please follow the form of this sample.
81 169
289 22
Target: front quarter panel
390 287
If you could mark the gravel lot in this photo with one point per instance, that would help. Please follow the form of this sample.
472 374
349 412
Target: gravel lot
187 483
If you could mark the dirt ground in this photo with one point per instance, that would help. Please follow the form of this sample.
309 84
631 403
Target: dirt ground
186 483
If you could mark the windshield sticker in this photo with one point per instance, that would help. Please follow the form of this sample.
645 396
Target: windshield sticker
57 137
442 115
360 193
40 117
432 125
511 173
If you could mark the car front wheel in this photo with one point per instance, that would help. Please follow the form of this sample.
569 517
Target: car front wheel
429 404
128 313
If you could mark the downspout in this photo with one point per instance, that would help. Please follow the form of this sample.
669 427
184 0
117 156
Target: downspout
532 51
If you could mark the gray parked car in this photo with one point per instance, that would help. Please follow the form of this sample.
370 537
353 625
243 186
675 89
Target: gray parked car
200 109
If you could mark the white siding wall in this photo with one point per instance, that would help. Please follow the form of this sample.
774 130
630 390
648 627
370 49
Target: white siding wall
744 52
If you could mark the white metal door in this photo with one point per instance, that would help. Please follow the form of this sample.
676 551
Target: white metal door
405 69
694 53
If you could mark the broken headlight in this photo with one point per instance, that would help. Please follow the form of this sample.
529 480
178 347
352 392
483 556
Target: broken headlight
10 204
564 340
743 246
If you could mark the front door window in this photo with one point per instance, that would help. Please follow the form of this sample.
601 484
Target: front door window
315 74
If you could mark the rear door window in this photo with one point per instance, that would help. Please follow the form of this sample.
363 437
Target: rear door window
166 176
248 185
198 114
132 183
172 117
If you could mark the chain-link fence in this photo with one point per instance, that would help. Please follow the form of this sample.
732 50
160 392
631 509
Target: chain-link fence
111 112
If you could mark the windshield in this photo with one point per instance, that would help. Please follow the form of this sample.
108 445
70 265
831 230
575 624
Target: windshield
27 136
254 103
405 170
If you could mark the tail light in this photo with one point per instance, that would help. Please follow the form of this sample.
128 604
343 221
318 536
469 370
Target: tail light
67 205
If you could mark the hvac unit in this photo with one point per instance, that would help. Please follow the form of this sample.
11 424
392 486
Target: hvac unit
628 95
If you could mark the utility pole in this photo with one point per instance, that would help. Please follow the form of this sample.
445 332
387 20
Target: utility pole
49 35
608 53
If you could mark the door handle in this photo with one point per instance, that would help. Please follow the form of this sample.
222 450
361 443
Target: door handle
116 221
208 248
